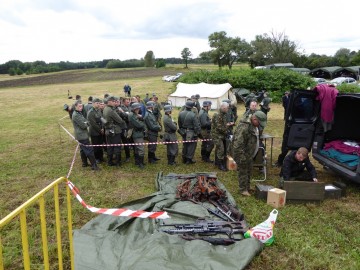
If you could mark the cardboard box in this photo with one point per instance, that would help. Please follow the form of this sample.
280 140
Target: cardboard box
304 191
261 191
230 164
332 192
276 197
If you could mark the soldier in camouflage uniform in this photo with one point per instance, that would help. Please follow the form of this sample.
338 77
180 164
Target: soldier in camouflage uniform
251 110
153 129
96 129
265 104
170 128
137 125
219 131
190 128
113 131
82 136
244 147
205 124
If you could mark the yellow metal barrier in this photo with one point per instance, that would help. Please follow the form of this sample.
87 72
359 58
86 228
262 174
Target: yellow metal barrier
21 213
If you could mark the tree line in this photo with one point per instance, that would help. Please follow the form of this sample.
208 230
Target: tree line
264 50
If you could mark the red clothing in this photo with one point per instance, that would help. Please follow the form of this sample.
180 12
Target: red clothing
327 96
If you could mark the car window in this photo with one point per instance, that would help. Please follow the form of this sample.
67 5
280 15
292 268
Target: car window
304 109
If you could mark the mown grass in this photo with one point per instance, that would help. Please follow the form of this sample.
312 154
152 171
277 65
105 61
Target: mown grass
34 152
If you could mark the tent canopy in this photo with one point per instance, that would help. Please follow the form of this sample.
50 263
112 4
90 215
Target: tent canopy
216 93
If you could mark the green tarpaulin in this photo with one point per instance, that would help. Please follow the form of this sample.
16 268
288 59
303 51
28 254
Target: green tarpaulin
109 242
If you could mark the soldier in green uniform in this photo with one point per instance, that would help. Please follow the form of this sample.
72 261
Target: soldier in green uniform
153 129
205 124
190 129
82 136
113 131
157 110
244 147
124 110
219 131
96 129
197 103
170 128
137 125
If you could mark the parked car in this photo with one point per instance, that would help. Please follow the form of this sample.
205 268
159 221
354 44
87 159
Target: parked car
303 128
171 78
320 80
341 80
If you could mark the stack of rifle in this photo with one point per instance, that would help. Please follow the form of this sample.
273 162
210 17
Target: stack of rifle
205 190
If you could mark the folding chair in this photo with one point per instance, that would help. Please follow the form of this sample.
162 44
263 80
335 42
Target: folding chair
260 163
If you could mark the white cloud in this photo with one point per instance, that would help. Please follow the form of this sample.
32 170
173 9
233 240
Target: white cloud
84 30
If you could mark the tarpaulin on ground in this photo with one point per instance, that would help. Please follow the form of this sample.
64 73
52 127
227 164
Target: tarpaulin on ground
109 242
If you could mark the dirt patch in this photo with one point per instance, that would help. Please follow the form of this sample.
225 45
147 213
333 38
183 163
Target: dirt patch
78 76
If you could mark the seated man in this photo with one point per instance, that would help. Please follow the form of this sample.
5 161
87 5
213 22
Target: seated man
294 165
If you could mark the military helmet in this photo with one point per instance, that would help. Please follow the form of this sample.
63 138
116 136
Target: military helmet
227 101
207 103
189 104
135 106
167 108
150 104
197 96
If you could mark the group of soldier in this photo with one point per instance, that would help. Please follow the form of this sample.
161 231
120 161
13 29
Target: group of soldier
112 121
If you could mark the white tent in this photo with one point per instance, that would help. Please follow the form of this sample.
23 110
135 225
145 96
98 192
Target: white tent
216 93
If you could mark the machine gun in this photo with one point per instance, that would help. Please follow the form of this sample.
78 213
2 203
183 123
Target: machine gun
204 227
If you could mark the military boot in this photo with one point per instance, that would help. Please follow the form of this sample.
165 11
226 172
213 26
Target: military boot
136 158
141 162
207 157
155 158
118 160
189 161
151 159
94 165
110 160
184 159
84 159
222 165
203 155
173 160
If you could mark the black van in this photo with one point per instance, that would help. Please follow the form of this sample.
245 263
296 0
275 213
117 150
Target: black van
304 128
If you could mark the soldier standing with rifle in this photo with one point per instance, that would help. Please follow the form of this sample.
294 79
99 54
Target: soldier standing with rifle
153 129
113 131
219 131
82 136
189 129
96 129
170 135
137 125
205 123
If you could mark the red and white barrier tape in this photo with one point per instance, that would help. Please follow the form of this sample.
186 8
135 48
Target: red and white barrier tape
119 212
130 144
72 162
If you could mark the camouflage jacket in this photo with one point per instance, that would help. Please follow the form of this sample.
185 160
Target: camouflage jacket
219 128
245 142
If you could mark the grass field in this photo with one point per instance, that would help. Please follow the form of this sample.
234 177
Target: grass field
34 151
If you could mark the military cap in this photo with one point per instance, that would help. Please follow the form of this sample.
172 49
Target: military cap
96 100
135 106
207 103
167 108
261 117
227 101
111 98
189 104
150 104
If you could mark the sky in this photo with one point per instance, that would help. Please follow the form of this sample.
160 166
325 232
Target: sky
93 30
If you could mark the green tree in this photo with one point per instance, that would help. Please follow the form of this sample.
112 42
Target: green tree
273 48
149 59
160 63
342 57
186 55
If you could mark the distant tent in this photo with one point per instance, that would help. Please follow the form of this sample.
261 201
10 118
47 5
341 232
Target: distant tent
304 71
216 93
280 65
352 72
325 72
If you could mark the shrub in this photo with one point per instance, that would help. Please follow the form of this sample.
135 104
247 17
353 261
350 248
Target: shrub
348 88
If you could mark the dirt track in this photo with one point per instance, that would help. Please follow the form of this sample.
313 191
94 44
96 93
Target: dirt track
84 76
